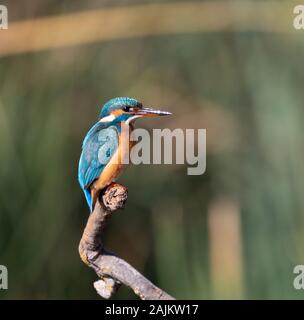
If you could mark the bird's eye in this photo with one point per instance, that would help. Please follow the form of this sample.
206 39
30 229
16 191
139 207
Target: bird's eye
127 109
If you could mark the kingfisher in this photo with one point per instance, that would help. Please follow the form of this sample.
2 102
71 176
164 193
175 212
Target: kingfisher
106 145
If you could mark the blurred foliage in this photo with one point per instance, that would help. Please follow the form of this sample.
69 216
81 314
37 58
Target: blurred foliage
245 88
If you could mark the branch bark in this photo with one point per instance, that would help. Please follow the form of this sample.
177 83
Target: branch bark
112 270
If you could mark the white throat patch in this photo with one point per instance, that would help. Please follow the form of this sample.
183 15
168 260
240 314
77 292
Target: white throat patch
109 118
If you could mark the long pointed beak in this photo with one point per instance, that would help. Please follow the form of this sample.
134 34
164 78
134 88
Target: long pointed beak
145 112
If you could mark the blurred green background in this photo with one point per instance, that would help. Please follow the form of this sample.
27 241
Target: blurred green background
235 232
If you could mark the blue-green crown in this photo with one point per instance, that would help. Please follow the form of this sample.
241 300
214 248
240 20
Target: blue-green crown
118 103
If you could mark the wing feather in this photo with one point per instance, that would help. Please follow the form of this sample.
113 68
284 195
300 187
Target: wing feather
99 145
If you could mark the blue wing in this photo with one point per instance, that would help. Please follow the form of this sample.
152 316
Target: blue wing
98 147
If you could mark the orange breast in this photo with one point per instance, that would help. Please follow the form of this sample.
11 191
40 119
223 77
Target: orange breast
115 166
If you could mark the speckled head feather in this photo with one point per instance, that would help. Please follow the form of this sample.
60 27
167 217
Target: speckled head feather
118 103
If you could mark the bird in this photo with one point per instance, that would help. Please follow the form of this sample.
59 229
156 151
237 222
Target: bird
106 144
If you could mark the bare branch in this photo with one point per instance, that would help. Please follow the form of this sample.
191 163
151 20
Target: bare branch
112 270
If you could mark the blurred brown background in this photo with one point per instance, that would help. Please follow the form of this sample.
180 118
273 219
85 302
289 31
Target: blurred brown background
232 67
